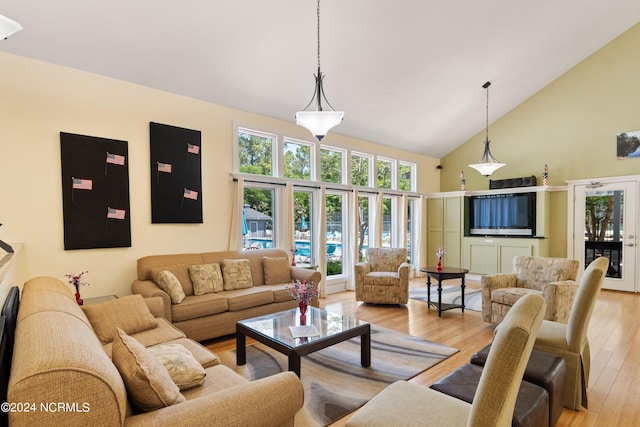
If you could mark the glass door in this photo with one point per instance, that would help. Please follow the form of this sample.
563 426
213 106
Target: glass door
605 225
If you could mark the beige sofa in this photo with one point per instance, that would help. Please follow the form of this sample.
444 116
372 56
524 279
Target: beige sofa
62 373
215 314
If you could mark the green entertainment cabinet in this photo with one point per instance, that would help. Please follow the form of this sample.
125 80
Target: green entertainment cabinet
446 223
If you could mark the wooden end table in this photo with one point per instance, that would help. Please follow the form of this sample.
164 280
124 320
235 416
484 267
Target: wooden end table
444 274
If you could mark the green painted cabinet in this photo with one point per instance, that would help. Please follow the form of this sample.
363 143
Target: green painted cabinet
444 229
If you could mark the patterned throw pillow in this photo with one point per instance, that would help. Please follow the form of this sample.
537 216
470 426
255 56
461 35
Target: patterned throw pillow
206 278
148 383
183 368
169 283
276 270
236 274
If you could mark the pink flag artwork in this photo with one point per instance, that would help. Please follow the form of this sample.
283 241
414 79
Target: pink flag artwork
115 159
116 213
82 184
164 167
190 194
193 149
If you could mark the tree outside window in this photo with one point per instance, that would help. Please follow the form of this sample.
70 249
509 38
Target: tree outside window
255 153
331 165
360 170
297 160
383 173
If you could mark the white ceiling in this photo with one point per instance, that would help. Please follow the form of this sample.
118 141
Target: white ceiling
407 73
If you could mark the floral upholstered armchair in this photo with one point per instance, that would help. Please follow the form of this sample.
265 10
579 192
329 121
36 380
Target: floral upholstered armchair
383 278
553 278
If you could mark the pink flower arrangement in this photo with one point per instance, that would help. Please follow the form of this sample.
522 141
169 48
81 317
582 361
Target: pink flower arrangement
76 280
302 291
440 252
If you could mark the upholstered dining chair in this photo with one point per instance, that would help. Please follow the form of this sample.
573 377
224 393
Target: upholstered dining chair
570 340
408 404
553 278
383 278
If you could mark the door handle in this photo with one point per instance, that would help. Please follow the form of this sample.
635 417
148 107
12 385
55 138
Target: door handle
629 244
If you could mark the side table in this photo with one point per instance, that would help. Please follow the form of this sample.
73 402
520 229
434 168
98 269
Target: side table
444 274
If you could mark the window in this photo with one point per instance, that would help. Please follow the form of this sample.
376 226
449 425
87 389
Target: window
303 209
297 159
384 173
334 226
363 225
410 237
406 172
387 225
331 165
360 169
255 151
258 215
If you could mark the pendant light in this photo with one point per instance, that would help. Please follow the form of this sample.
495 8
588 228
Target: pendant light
319 122
487 164
8 27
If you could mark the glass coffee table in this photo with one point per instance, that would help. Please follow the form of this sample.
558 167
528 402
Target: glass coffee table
273 330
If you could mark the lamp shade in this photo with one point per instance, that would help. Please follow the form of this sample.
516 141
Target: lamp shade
8 27
319 122
487 169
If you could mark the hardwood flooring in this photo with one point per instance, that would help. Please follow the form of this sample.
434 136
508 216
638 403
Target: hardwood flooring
614 336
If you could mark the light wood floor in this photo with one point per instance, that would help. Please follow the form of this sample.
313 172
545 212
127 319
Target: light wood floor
614 336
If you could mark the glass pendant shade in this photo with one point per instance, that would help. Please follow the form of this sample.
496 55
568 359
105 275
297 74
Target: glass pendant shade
319 122
8 27
487 164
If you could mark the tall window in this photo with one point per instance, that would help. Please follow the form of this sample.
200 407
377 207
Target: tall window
297 160
360 169
255 151
331 165
334 225
384 173
410 238
387 223
258 218
363 226
304 220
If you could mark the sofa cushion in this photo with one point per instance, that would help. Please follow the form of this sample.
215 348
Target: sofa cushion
206 278
129 313
181 271
242 299
183 368
236 274
195 306
169 283
276 270
148 383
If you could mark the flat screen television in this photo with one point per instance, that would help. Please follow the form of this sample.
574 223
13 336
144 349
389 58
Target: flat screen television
511 214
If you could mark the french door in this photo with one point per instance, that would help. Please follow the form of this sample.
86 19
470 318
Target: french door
605 224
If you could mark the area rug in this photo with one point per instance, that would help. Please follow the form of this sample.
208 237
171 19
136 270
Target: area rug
334 382
450 295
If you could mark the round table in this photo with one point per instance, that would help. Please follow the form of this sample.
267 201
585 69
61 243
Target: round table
444 273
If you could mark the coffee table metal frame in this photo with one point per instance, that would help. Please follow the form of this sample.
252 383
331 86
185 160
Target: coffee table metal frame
445 273
283 341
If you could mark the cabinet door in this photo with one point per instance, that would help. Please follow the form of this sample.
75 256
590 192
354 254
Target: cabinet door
482 257
434 229
508 251
452 238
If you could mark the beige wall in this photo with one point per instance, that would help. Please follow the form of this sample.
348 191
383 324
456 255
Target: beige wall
39 100
571 125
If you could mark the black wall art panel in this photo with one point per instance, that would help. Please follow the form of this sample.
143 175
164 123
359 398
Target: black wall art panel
95 192
176 182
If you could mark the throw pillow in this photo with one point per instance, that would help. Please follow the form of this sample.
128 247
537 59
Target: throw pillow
183 368
169 283
276 270
129 313
181 271
236 274
148 383
206 278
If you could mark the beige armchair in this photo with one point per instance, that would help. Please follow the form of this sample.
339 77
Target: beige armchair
553 278
570 340
409 404
383 278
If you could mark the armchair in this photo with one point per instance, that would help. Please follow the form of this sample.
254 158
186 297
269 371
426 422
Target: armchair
553 278
383 278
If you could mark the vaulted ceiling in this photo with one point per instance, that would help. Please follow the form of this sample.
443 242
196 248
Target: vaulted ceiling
407 73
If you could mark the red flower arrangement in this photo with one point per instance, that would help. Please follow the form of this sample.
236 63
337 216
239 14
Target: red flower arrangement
76 281
303 292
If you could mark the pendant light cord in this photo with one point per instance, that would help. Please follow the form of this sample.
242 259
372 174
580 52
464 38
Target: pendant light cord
318 15
486 86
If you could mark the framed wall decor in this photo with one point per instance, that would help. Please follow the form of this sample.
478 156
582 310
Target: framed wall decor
176 178
628 144
95 192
